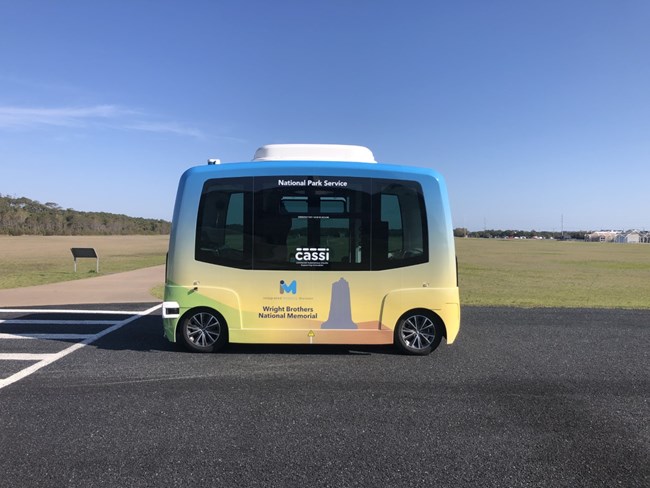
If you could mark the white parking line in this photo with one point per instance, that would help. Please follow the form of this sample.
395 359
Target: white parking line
21 356
46 359
60 310
52 337
57 322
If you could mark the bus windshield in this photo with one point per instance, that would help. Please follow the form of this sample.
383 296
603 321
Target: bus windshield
311 223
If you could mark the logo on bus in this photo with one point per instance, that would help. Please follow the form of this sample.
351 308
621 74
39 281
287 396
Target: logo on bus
312 254
290 288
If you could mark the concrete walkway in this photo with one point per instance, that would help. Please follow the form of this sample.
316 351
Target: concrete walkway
129 287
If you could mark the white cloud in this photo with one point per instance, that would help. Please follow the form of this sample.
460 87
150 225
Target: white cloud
25 117
169 127
90 116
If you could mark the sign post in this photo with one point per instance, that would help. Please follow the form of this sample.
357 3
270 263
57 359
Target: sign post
84 252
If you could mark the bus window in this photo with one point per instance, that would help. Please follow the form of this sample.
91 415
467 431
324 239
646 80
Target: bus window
333 204
304 226
391 213
400 229
222 231
309 228
234 235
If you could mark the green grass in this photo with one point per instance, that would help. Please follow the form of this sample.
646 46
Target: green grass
37 260
527 273
492 272
158 291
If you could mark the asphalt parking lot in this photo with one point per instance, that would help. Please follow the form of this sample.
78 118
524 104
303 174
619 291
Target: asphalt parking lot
523 398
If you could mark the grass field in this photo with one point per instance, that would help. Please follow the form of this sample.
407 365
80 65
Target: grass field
519 273
36 260
530 273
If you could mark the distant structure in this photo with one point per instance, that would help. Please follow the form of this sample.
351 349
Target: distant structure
631 237
602 236
624 237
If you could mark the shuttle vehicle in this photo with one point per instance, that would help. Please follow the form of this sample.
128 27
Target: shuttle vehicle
311 244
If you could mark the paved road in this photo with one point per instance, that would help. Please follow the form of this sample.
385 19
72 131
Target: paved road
524 398
129 287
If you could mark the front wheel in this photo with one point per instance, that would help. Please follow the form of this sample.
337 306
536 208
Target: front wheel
418 332
203 330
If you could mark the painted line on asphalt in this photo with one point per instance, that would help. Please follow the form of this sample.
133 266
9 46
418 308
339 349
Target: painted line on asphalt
52 337
47 359
22 356
67 311
57 322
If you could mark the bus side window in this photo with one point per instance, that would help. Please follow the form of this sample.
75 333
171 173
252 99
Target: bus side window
212 233
234 223
399 231
391 217
222 226
223 230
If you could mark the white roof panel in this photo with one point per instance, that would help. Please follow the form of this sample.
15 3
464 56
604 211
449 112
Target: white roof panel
314 152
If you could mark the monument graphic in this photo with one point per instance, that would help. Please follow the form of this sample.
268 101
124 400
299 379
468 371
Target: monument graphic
340 311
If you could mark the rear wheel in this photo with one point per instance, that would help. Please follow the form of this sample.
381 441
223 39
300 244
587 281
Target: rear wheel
203 330
418 332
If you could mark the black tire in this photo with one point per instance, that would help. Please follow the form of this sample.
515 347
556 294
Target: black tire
203 330
418 332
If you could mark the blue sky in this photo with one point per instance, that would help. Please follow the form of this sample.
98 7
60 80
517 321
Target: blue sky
532 110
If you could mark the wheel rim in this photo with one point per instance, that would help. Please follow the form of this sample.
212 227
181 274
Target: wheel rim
203 329
418 332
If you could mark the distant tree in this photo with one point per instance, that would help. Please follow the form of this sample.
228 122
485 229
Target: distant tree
20 216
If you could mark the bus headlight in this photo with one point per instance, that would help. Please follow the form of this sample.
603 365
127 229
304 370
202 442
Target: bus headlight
170 310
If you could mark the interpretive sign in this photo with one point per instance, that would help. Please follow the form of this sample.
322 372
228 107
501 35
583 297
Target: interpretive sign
84 252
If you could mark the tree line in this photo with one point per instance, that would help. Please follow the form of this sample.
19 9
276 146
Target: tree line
511 234
22 216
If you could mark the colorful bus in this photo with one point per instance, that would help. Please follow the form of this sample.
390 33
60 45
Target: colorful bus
311 244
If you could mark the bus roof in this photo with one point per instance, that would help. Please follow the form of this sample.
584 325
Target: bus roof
314 152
